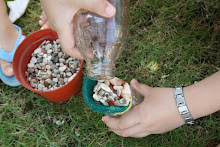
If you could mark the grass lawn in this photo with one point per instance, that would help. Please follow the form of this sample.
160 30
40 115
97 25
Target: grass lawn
170 43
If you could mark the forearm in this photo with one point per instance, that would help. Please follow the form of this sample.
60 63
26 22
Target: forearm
203 98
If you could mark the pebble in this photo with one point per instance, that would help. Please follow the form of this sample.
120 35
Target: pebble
34 59
56 59
49 68
38 50
70 79
30 65
63 68
48 46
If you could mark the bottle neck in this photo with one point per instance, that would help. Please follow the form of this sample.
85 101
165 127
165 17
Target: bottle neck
100 71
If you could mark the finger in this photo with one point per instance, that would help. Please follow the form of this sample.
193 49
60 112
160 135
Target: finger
101 7
127 120
140 135
67 42
139 89
45 26
136 129
43 18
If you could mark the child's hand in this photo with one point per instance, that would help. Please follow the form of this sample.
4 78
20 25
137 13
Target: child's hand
157 114
60 14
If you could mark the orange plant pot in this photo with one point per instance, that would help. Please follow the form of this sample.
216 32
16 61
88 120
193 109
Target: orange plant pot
23 56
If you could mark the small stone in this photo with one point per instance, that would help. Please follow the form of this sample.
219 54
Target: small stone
61 64
96 88
63 68
48 81
30 65
105 87
101 92
38 50
119 92
40 60
31 70
49 51
48 46
117 87
40 87
46 84
51 76
56 59
111 98
42 64
34 59
66 80
34 80
49 59
33 84
105 98
62 81
53 83
55 79
48 67
96 97
62 60
43 51
70 78
69 74
122 101
111 102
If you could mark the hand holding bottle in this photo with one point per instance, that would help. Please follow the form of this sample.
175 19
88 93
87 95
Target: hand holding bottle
60 14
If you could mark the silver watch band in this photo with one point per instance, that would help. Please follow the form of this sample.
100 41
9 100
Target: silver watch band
181 104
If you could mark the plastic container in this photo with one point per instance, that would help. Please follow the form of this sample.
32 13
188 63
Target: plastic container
23 56
100 40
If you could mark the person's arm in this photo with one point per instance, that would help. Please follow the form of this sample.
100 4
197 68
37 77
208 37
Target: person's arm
203 98
158 112
60 14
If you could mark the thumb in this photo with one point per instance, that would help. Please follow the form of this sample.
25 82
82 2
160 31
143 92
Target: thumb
138 89
101 7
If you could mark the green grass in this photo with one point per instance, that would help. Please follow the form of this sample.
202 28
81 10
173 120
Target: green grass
170 43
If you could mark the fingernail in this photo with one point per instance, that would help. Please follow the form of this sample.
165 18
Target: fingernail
133 82
105 118
40 22
41 16
110 10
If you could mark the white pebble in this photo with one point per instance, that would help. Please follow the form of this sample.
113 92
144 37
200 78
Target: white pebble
34 59
48 46
30 65
61 60
40 87
117 87
69 74
55 79
105 87
70 78
38 50
96 97
63 68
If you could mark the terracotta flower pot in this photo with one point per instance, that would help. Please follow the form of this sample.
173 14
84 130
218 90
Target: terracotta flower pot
23 56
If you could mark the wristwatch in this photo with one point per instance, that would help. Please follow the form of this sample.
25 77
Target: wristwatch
182 107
